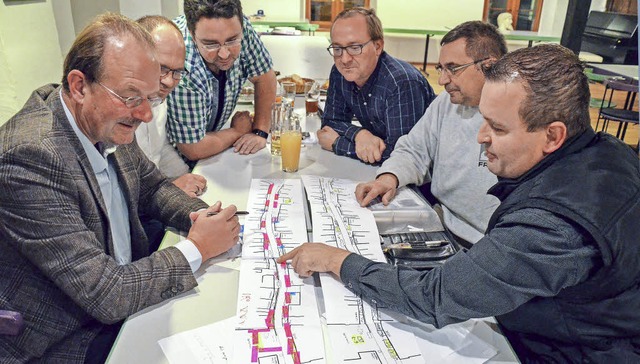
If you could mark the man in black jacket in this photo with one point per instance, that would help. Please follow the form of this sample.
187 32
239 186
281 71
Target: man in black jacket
559 265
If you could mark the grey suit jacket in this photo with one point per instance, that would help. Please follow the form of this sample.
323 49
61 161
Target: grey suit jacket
56 252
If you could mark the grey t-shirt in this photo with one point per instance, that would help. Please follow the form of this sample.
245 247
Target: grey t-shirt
444 141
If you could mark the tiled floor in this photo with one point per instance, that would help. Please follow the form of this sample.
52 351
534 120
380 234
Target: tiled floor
597 91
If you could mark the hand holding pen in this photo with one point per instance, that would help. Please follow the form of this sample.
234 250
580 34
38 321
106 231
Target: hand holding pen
214 230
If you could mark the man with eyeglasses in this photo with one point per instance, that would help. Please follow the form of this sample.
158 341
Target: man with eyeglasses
152 137
223 51
74 259
441 148
386 95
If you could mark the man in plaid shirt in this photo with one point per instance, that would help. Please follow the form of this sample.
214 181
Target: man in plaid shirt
223 51
386 95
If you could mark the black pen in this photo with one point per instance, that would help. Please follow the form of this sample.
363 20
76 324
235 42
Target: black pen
238 213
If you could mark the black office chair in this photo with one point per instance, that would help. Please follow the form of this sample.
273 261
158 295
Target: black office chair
11 323
624 115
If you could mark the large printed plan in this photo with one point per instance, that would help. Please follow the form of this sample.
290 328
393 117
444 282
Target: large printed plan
359 332
278 320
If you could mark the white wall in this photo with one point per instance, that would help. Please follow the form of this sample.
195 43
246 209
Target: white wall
8 99
83 11
275 10
30 54
64 24
139 8
171 8
431 14
598 5
552 17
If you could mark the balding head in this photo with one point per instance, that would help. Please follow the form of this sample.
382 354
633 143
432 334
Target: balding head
170 50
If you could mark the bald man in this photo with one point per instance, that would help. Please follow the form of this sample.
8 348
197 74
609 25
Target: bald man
152 137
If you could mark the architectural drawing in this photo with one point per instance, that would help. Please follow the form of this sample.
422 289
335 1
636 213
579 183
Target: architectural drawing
338 219
276 222
277 318
358 332
278 321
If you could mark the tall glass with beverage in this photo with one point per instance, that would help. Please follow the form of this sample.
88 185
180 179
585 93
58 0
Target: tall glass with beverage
278 111
290 144
312 93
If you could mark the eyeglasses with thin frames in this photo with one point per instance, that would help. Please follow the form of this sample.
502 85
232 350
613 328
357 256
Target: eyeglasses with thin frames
175 74
454 70
215 47
352 50
134 101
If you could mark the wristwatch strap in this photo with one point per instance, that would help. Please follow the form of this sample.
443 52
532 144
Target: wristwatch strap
260 133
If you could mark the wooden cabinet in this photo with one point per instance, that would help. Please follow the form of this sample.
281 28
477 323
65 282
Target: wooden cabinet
322 12
525 13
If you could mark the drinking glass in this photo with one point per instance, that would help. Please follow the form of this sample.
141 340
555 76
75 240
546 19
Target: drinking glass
278 112
312 93
290 144
289 92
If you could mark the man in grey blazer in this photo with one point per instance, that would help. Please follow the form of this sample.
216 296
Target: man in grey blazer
74 258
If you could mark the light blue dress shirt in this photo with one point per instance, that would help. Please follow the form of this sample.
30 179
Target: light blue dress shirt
111 193
116 203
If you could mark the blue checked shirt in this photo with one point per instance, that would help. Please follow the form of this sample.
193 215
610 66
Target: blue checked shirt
390 103
193 105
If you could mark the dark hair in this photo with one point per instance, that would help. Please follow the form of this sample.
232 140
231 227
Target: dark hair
194 10
374 26
87 50
482 39
151 22
555 84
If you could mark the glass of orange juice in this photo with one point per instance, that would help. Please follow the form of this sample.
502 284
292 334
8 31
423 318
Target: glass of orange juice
290 143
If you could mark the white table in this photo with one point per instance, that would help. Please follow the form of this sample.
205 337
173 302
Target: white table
228 178
628 71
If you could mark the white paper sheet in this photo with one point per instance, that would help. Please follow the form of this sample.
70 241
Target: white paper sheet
207 344
358 331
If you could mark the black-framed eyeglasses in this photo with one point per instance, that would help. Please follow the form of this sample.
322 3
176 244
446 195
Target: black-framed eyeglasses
352 50
214 47
134 101
453 70
175 74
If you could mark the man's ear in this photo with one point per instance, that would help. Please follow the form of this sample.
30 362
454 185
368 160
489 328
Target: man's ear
486 64
77 85
379 44
556 134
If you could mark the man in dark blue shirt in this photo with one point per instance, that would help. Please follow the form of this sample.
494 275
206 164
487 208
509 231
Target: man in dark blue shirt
386 95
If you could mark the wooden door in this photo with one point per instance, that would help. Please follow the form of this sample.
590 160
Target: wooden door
322 12
623 6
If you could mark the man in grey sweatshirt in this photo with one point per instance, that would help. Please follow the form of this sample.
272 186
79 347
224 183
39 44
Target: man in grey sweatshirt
442 148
